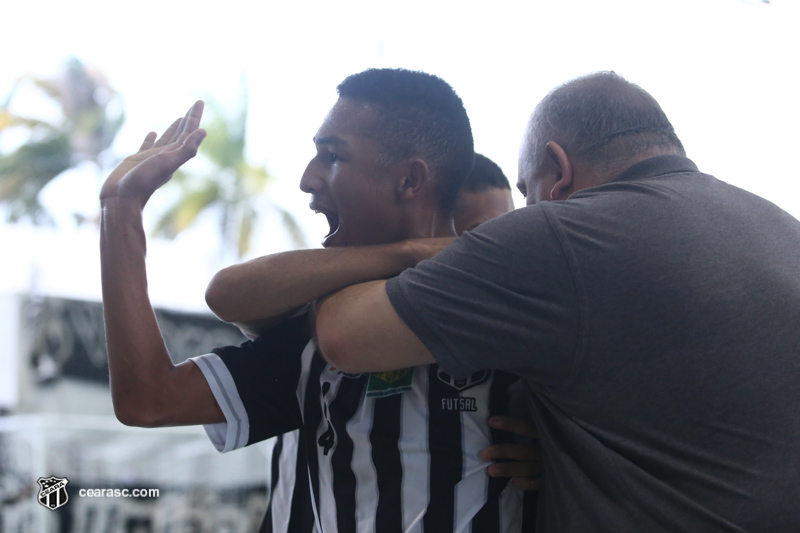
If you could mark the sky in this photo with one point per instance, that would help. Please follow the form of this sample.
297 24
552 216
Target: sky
725 72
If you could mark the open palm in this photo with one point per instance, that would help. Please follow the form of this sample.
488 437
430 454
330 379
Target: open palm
140 174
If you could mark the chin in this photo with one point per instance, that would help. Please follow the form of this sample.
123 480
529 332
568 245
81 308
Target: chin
334 240
339 239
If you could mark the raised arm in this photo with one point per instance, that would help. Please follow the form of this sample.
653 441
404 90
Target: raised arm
256 294
146 387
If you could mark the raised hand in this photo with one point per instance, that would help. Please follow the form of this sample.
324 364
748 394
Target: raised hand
140 174
521 462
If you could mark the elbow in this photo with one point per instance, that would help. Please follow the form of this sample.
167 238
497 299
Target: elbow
138 419
130 418
337 356
333 344
218 298
137 415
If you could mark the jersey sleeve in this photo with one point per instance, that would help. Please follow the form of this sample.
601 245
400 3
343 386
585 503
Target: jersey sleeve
255 385
502 296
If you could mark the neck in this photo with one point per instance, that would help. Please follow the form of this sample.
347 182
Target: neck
424 220
436 225
442 225
611 174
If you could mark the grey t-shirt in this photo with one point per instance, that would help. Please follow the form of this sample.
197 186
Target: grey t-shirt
656 321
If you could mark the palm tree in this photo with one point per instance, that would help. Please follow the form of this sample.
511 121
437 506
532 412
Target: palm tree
86 128
84 131
233 187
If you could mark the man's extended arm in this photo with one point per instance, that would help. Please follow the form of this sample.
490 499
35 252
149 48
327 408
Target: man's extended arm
258 293
147 389
358 330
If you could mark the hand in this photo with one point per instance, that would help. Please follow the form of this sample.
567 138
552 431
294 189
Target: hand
139 175
523 461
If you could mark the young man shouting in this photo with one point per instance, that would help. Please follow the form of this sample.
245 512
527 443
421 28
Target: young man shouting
396 451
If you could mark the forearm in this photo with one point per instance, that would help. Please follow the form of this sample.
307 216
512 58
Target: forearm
144 380
272 286
137 356
358 330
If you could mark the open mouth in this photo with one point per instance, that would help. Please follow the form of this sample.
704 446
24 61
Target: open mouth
333 222
331 216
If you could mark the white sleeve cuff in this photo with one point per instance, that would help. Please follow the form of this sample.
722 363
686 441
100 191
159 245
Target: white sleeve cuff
235 431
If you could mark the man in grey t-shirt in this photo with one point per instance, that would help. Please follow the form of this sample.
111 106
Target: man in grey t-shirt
654 312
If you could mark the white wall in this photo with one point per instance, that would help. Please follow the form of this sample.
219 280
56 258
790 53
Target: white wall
9 351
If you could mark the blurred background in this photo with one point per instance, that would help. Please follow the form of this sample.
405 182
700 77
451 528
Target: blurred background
81 83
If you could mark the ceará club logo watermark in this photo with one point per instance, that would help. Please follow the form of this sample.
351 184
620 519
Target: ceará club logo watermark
53 492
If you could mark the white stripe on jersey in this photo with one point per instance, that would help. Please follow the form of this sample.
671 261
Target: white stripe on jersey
281 496
358 428
473 489
510 503
305 370
327 499
233 433
414 436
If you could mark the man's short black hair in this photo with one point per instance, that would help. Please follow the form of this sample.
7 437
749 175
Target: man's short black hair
485 174
603 120
419 115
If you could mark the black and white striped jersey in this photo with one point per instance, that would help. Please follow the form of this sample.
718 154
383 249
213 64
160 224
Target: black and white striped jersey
289 488
391 451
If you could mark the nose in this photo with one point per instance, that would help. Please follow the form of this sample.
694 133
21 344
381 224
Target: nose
311 181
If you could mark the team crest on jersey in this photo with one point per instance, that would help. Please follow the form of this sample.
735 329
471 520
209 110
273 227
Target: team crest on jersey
465 383
53 492
344 374
390 382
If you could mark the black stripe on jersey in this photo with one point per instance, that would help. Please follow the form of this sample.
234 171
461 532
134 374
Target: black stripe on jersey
488 518
384 439
530 503
444 438
268 369
312 418
301 519
342 409
301 513
266 525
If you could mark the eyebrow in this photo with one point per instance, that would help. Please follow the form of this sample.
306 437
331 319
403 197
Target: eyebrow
331 140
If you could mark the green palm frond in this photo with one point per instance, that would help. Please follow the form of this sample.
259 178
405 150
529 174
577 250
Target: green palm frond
24 173
247 222
238 186
296 234
216 146
182 214
84 131
226 148
48 86
9 120
256 178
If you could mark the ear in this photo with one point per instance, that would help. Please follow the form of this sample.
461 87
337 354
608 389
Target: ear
414 180
565 174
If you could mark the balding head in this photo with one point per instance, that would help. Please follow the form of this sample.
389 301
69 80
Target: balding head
602 122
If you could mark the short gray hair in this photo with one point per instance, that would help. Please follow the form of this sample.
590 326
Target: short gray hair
602 120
